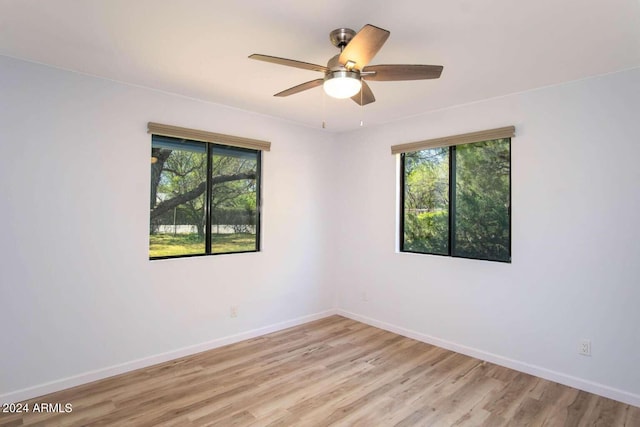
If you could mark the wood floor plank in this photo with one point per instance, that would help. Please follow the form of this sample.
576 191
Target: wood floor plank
509 400
331 372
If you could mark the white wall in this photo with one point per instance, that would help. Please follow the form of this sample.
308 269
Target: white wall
576 238
77 290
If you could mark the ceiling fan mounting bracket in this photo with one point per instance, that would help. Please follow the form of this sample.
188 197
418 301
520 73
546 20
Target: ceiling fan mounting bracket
341 37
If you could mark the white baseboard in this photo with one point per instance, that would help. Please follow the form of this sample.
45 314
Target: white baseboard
558 377
98 374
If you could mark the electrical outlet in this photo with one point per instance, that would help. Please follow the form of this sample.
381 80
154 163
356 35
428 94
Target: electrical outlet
233 311
585 348
364 296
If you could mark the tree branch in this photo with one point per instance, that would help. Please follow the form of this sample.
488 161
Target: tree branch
176 201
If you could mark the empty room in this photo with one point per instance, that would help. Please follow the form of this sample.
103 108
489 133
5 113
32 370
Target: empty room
281 213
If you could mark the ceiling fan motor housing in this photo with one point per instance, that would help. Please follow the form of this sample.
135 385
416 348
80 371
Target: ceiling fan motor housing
334 64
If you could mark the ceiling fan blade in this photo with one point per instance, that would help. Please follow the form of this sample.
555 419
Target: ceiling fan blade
289 62
365 96
301 87
398 72
364 46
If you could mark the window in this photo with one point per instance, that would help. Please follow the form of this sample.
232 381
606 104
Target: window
205 198
456 200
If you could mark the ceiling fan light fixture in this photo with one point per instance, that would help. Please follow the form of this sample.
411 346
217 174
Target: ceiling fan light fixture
342 84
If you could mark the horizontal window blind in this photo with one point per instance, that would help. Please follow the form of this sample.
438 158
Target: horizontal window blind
447 141
200 135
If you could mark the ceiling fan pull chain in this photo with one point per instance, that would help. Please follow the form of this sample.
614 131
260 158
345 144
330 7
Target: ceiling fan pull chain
361 109
324 110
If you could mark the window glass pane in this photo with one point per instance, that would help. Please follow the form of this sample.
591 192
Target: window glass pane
426 201
234 200
178 183
482 198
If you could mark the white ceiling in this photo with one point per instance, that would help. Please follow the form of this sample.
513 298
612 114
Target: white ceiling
199 48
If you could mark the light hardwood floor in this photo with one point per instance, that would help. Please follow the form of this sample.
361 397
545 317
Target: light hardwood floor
333 371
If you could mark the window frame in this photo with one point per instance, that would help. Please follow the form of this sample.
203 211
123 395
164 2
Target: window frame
208 193
451 205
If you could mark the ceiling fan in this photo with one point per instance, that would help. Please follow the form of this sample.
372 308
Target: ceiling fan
347 73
